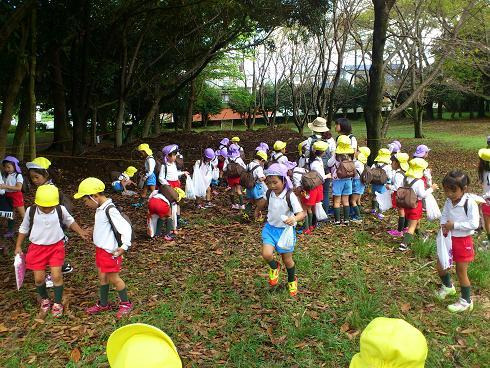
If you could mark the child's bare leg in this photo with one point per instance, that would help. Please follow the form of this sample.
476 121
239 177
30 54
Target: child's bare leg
21 210
119 284
208 194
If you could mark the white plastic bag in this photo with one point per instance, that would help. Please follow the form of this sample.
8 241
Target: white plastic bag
287 238
20 269
189 188
199 181
384 200
320 213
432 208
215 174
444 250
175 208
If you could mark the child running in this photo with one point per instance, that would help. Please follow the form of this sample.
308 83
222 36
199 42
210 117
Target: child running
280 201
484 176
13 181
234 166
358 187
108 248
124 180
42 225
399 165
460 218
279 154
413 179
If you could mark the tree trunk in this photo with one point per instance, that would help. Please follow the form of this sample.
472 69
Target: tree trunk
149 117
32 88
418 113
22 125
205 119
372 110
93 126
61 133
481 107
429 110
439 110
190 107
118 137
157 123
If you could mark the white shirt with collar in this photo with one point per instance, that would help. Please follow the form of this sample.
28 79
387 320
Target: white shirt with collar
257 173
2 191
169 172
464 224
103 236
12 180
359 169
278 206
397 179
302 161
317 165
279 157
419 188
150 164
46 229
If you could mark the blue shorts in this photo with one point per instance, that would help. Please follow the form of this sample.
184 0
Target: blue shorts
271 235
214 183
358 187
341 187
117 186
378 188
151 180
256 192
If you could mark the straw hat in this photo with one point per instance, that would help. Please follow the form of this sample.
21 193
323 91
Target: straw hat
318 125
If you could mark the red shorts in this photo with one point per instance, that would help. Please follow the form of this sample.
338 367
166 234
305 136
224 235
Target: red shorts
158 207
485 209
233 181
105 261
314 196
393 200
414 213
17 198
463 249
174 183
40 256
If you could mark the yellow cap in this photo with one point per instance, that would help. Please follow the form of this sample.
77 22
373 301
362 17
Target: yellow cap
384 156
181 194
279 145
344 145
89 186
235 139
262 155
39 163
47 196
130 171
403 160
146 148
300 147
365 151
141 345
320 146
416 168
361 157
390 343
484 154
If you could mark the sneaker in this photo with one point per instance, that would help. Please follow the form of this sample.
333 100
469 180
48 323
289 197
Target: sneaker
395 233
200 206
346 223
209 205
403 247
57 310
445 291
484 245
45 306
293 287
405 230
242 207
168 238
49 281
124 309
274 275
380 216
67 268
337 223
356 220
460 306
97 308
235 206
308 232
9 234
137 205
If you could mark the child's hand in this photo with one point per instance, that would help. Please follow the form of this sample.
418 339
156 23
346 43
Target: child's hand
291 221
2 186
118 252
84 234
328 176
435 186
448 226
18 250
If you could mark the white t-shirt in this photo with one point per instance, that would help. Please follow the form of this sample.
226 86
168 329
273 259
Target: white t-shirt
103 235
359 169
317 165
302 161
150 164
171 171
387 168
298 175
237 160
279 157
46 229
12 180
397 179
278 206
257 173
464 224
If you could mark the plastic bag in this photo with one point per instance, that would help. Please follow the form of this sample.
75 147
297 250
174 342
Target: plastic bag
444 249
384 200
175 207
20 269
320 213
287 239
189 188
432 208
199 181
215 174
151 222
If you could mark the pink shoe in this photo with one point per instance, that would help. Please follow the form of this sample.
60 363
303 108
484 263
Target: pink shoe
97 308
395 233
57 310
45 306
405 230
124 309
169 238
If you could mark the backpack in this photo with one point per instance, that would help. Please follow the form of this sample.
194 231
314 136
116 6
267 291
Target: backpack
234 170
346 169
32 212
247 178
366 176
379 176
288 198
117 235
169 192
405 195
311 180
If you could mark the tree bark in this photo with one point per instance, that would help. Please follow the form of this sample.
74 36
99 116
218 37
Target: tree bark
372 109
418 113
439 110
32 87
61 133
22 125
157 123
14 20
150 115
190 107
481 107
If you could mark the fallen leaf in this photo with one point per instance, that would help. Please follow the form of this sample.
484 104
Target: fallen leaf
32 360
468 331
353 334
3 328
75 355
405 307
345 327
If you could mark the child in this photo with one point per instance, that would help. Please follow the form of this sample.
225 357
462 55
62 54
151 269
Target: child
414 215
382 161
422 151
124 180
222 154
280 201
13 180
42 225
263 147
235 141
224 143
461 217
256 168
233 180
206 166
160 214
344 127
395 147
399 165
149 176
315 195
484 176
341 187
358 187
303 158
279 154
108 251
